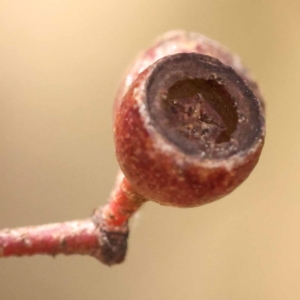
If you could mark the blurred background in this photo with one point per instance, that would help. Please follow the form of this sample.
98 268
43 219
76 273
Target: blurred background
60 64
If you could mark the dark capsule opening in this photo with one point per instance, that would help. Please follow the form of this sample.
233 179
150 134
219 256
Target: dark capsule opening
202 106
200 110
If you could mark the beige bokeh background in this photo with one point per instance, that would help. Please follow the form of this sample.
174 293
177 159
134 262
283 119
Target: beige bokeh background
60 63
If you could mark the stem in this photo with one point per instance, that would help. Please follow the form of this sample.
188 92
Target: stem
125 201
86 237
74 237
103 236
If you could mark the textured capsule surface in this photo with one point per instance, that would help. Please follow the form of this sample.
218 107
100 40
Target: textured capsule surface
188 130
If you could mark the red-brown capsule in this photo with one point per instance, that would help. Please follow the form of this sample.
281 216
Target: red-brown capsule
190 127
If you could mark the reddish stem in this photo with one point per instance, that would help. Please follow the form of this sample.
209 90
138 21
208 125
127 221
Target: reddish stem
125 201
74 237
103 236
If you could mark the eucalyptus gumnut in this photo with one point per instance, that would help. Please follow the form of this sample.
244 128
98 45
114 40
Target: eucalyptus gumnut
189 128
189 122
